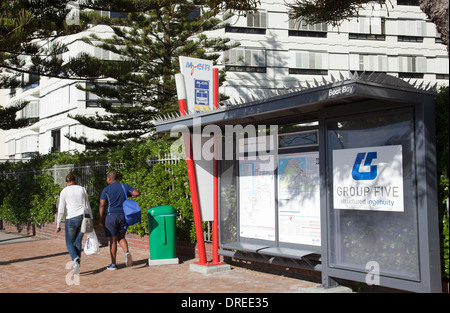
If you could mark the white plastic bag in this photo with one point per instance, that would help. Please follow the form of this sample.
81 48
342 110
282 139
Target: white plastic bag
91 246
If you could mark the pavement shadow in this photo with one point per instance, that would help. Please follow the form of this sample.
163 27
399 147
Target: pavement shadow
93 272
141 263
136 265
15 238
33 258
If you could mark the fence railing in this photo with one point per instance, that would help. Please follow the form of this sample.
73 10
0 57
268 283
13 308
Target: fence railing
85 172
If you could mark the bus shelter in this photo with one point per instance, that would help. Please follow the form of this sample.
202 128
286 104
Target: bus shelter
338 177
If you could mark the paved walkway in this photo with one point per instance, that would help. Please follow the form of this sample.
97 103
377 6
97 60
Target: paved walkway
30 264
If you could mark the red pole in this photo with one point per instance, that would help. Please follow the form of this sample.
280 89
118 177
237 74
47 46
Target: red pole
216 87
195 200
181 93
191 174
215 229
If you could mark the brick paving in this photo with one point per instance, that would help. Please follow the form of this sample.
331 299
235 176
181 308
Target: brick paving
35 265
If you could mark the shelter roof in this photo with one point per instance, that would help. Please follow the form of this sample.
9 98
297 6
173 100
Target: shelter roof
304 101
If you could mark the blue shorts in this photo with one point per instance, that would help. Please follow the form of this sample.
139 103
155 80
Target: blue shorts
115 225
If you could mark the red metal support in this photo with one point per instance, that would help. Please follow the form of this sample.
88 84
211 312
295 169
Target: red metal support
191 174
215 230
195 200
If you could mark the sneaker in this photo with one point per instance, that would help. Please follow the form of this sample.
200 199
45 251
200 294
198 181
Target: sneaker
112 267
76 266
128 259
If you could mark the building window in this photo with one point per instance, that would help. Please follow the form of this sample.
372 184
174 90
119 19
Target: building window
411 30
31 110
408 2
301 28
412 66
258 19
56 140
368 62
256 24
30 81
441 65
410 39
29 146
11 145
308 63
92 100
110 14
12 92
438 38
442 76
367 28
245 60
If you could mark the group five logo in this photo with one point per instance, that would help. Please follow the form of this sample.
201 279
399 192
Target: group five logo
372 174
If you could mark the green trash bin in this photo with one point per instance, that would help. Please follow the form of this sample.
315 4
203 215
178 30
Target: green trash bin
162 238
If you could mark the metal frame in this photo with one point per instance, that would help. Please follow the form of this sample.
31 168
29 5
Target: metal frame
426 187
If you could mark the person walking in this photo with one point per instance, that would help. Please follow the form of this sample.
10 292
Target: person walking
74 200
111 204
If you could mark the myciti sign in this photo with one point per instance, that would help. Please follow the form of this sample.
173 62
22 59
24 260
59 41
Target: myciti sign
198 79
369 178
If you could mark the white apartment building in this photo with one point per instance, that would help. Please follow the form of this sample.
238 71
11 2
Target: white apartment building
52 100
274 53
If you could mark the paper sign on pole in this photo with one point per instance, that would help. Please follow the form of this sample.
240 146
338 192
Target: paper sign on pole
198 79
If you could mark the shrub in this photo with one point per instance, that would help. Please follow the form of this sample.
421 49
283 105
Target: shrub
44 201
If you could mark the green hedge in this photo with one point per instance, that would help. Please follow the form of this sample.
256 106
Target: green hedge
442 158
32 198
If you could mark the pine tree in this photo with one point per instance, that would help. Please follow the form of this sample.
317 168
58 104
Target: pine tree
437 12
26 24
23 26
142 81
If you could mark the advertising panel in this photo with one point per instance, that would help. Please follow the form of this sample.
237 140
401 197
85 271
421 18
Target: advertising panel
369 178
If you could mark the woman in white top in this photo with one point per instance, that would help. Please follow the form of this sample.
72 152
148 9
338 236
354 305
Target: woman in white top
74 200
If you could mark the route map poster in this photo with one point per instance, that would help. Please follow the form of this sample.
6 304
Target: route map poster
257 198
299 198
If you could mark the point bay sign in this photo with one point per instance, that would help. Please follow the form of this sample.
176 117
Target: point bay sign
368 178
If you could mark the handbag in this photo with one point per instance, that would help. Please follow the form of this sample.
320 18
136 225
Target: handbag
91 246
131 209
87 225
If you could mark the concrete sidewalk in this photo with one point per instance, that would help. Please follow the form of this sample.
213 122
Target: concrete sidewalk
30 264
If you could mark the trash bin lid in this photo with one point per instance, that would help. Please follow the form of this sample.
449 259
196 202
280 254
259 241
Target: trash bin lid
161 210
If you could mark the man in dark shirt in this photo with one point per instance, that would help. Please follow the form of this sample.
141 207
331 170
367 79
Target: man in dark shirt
111 203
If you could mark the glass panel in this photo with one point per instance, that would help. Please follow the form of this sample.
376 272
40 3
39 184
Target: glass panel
257 198
299 198
302 139
358 236
228 202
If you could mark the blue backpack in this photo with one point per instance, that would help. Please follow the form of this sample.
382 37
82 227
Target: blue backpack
131 209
